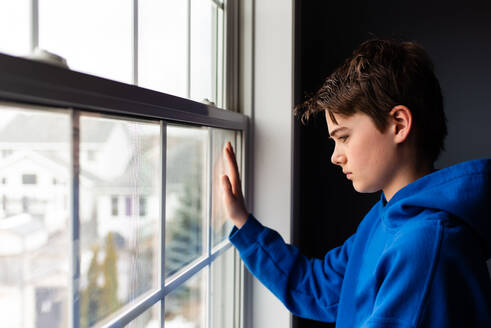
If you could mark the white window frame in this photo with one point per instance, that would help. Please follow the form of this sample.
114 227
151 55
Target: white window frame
27 82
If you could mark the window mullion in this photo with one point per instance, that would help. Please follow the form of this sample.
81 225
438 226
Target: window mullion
214 55
193 268
209 198
74 292
188 53
135 42
209 221
163 147
34 24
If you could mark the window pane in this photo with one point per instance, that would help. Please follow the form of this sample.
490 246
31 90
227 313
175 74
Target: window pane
222 290
220 59
203 54
29 179
80 32
186 306
15 27
163 35
120 250
148 319
186 196
34 235
220 223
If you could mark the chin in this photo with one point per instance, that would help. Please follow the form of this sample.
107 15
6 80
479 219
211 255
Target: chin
363 189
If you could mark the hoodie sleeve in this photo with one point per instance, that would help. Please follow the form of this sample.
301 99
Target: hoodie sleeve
309 288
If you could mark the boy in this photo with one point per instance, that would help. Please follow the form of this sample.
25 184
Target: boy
418 257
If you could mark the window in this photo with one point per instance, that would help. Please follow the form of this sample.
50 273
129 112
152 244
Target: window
114 206
142 206
15 13
79 32
176 47
128 206
6 152
161 256
25 204
29 179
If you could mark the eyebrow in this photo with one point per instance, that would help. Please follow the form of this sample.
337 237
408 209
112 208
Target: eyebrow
336 131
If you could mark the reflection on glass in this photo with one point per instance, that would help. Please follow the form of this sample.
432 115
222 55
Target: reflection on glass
186 196
79 31
148 319
222 290
162 44
34 213
203 49
15 27
120 248
220 223
220 71
185 307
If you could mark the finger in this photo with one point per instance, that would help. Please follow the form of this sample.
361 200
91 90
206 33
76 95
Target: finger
232 164
226 186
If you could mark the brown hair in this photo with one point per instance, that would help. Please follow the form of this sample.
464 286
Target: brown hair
379 75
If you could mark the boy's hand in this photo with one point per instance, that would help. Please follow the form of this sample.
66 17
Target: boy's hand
232 191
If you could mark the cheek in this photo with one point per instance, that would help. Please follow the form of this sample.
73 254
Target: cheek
368 157
373 151
364 153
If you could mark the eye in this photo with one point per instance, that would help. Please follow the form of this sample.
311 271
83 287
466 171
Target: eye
343 138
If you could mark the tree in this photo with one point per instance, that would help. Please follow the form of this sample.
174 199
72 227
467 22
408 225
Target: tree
89 312
99 300
109 293
185 241
184 237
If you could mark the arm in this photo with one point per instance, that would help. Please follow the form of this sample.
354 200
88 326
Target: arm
309 288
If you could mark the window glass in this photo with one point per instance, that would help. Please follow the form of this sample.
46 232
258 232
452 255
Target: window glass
34 235
120 254
186 196
128 207
15 27
114 206
222 290
220 223
29 179
203 50
220 71
163 35
80 32
143 206
148 319
186 306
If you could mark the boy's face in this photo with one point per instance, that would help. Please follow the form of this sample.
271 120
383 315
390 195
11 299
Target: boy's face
360 148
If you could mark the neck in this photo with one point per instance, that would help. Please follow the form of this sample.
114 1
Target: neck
405 174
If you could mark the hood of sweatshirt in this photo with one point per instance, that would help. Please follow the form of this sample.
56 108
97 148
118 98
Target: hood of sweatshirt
462 190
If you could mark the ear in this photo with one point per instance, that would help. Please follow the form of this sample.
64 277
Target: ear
402 119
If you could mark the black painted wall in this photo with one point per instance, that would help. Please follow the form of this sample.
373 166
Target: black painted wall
457 36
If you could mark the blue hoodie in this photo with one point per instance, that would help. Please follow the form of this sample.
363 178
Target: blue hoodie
415 261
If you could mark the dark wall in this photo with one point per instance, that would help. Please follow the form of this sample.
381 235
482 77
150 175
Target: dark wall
457 36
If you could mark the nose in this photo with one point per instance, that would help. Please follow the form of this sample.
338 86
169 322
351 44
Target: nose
338 158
